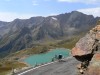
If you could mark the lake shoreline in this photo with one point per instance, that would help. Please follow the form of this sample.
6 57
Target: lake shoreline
24 57
67 52
21 60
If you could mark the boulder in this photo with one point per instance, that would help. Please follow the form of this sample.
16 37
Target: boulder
84 46
88 49
87 44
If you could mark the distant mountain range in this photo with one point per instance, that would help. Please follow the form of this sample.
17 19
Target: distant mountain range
23 33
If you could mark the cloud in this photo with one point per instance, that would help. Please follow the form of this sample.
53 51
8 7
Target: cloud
7 0
35 3
91 11
10 16
81 1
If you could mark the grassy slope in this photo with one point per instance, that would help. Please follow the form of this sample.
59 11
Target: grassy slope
39 48
6 66
44 47
69 43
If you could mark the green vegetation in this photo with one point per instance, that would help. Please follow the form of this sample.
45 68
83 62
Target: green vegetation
69 43
98 22
35 50
6 66
5 72
2 42
13 60
43 47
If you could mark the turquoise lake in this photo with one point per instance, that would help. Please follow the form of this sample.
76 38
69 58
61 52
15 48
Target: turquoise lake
45 57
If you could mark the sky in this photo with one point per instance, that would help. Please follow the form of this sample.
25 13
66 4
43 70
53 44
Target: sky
24 9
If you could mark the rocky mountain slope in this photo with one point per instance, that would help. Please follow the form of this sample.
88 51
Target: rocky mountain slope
24 33
87 50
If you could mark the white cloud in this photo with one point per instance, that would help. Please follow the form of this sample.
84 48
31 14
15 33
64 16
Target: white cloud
7 0
81 1
91 11
35 3
10 16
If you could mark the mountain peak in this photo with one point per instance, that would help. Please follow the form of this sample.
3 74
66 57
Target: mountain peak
42 28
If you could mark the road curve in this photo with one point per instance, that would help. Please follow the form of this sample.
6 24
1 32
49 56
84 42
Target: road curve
65 67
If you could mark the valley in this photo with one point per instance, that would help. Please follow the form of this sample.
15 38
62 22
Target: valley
25 37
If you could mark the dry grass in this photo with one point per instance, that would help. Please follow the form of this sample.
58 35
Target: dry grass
69 43
6 66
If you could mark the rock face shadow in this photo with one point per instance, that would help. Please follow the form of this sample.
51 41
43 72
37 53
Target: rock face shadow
88 52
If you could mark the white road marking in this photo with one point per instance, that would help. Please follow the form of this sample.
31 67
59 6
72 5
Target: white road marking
40 66
36 68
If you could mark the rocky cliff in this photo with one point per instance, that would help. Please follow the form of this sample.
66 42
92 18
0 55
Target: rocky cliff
87 50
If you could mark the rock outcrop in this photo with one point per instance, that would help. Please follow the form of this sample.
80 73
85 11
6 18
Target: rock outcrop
83 46
87 50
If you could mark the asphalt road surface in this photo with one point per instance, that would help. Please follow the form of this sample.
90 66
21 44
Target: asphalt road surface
65 67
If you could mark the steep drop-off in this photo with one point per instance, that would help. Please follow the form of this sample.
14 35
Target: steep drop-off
87 50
